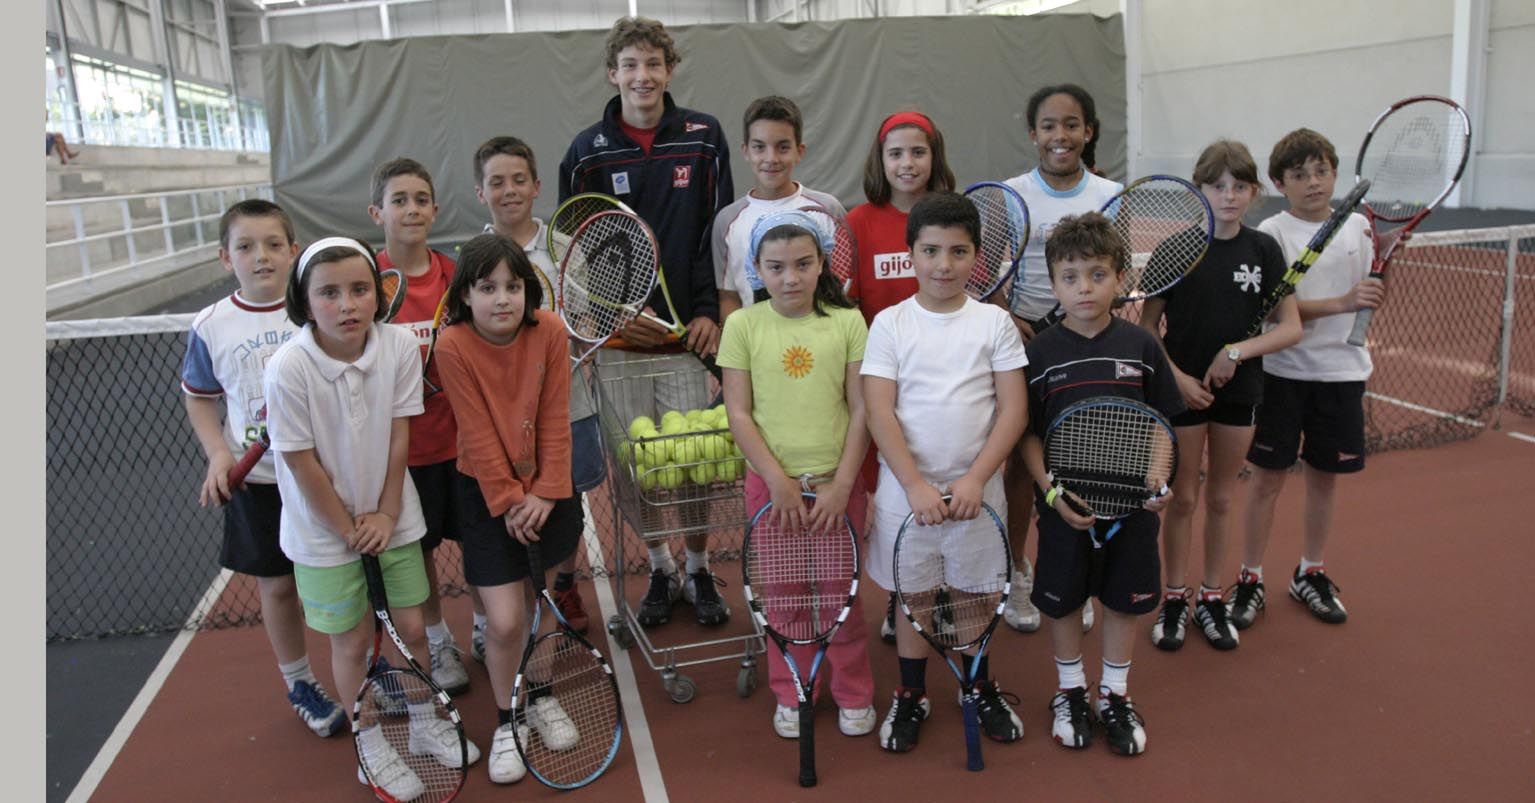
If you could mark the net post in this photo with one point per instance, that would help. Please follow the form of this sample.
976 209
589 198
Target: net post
1506 339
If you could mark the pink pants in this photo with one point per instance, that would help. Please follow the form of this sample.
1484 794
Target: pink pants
847 659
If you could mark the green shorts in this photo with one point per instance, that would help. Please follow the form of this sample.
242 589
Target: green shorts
336 597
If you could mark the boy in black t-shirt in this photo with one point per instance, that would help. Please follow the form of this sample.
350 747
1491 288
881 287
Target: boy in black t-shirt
1220 374
1090 354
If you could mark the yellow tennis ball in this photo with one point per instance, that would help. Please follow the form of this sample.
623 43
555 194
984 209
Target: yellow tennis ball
648 480
715 448
650 453
670 477
640 425
689 450
702 474
671 415
693 415
728 470
674 425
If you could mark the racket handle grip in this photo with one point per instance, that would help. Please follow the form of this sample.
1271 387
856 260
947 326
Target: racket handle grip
1361 326
248 460
973 760
806 745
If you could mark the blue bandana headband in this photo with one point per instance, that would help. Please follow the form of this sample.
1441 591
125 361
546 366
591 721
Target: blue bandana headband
787 217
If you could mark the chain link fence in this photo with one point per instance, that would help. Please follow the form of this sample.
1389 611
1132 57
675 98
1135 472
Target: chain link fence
130 551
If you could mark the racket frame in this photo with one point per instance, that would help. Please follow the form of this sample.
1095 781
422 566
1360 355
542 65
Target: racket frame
1209 233
394 302
378 599
543 599
439 317
248 460
1308 255
804 689
1071 495
1386 244
1015 260
968 699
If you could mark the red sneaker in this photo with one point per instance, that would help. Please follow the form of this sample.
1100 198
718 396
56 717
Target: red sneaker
569 603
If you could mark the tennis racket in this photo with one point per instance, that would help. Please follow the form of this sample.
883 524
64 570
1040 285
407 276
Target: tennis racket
394 283
1308 256
800 587
957 573
1413 156
1165 226
568 217
250 458
1109 455
1004 232
391 743
841 261
564 699
430 387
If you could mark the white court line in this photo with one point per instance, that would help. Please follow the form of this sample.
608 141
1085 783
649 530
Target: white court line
114 743
1459 419
652 785
1522 436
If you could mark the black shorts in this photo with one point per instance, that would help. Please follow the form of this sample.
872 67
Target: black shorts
1321 422
437 487
251 520
1231 414
1126 574
492 557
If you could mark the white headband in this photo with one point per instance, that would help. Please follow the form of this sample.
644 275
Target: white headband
331 242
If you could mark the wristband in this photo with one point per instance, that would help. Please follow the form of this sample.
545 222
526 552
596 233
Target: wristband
1052 494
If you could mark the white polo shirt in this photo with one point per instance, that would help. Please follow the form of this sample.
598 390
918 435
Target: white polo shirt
343 411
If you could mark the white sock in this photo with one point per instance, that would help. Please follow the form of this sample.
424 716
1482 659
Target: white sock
1255 571
438 634
1116 678
297 671
1206 593
479 622
661 557
1070 674
1307 565
698 561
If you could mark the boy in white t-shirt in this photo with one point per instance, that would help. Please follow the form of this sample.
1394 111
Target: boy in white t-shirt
1313 392
772 144
944 388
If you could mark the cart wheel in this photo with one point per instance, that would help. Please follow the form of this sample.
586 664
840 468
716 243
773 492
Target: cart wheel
746 681
681 689
621 633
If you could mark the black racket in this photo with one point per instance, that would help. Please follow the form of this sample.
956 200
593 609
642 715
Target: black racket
1308 256
399 713
1109 455
1413 156
958 573
1004 232
800 587
564 700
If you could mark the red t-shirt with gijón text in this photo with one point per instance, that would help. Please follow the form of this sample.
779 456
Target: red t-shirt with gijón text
883 277
433 435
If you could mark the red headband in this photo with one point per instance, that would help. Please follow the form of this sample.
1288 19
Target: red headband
917 119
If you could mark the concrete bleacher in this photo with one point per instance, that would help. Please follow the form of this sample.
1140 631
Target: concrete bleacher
104 171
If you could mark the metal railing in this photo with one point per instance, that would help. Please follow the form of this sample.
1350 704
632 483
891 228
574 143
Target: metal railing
217 129
187 222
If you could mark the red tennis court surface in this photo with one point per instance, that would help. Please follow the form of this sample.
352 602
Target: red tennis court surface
1421 696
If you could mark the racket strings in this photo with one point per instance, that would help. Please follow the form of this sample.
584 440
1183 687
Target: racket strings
1414 153
952 578
392 705
604 280
843 258
1166 228
564 675
1004 227
567 221
801 582
1111 457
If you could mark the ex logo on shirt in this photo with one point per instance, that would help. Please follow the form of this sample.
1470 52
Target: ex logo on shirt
894 266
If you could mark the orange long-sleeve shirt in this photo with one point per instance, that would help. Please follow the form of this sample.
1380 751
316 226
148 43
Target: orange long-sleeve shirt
512 404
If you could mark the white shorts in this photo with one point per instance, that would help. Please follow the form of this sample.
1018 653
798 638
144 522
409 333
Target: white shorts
888 510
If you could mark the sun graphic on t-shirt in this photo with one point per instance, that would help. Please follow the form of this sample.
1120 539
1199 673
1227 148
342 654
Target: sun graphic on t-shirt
797 362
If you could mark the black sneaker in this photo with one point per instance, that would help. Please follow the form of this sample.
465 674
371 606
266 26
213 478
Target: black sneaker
908 709
887 627
701 590
1172 623
1073 726
1123 726
943 615
1319 594
1210 615
1246 600
656 608
997 718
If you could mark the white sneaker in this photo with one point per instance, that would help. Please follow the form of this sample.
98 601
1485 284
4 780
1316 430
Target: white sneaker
390 772
505 761
554 727
857 721
1087 615
786 722
477 644
438 738
448 668
1020 613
